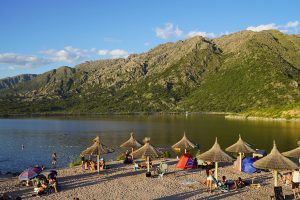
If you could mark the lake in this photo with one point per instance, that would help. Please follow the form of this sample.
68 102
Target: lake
68 136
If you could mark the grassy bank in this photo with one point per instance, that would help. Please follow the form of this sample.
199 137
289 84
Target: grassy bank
287 112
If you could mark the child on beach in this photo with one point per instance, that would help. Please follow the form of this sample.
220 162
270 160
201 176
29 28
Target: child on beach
209 180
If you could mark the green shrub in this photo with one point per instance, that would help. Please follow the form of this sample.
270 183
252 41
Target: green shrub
75 162
166 154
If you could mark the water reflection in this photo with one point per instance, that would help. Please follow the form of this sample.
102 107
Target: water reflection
69 136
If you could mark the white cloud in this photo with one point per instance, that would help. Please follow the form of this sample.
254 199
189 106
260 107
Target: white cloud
262 27
103 52
116 53
147 43
69 54
283 28
199 33
16 61
168 31
293 24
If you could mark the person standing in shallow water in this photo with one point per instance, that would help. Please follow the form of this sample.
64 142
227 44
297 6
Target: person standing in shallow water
54 159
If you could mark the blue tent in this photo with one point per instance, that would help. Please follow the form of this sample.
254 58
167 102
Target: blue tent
247 165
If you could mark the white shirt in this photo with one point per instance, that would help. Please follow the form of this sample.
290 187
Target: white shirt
296 177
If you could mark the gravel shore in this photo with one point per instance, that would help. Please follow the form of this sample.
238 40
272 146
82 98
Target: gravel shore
122 182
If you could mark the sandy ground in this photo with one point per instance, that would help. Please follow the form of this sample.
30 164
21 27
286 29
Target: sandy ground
122 182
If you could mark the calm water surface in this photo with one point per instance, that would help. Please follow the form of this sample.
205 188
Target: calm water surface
69 136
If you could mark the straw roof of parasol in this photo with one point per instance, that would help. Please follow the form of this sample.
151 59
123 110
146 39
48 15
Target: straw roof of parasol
131 142
275 161
184 143
240 147
298 143
295 153
215 154
97 147
146 151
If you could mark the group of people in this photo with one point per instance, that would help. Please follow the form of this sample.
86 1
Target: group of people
293 179
127 158
46 185
227 184
92 165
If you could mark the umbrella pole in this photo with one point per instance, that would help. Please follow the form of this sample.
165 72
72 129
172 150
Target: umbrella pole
148 164
276 178
216 170
184 150
132 153
240 161
98 163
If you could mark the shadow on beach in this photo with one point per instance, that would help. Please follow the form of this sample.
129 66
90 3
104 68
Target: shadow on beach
93 178
216 195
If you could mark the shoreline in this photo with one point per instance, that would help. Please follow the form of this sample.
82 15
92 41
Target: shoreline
256 118
227 115
110 114
128 184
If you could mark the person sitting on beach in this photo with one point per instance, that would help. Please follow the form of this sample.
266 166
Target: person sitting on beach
53 183
240 183
87 165
93 165
228 183
136 166
41 188
102 164
127 158
28 183
287 179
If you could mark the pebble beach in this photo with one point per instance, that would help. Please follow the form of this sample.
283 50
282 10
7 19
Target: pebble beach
122 182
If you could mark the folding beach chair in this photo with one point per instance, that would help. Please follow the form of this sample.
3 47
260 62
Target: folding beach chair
163 168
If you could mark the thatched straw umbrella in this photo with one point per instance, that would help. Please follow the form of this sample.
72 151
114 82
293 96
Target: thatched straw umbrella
215 154
184 143
97 149
131 143
240 147
275 161
146 151
294 153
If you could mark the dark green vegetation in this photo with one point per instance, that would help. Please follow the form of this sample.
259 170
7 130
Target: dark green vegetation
241 72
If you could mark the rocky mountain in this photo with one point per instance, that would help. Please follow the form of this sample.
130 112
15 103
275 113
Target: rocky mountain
237 72
11 82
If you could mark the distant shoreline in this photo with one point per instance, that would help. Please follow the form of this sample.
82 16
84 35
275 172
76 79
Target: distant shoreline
227 115
110 113
256 118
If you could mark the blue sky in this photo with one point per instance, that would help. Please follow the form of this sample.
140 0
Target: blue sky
37 36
